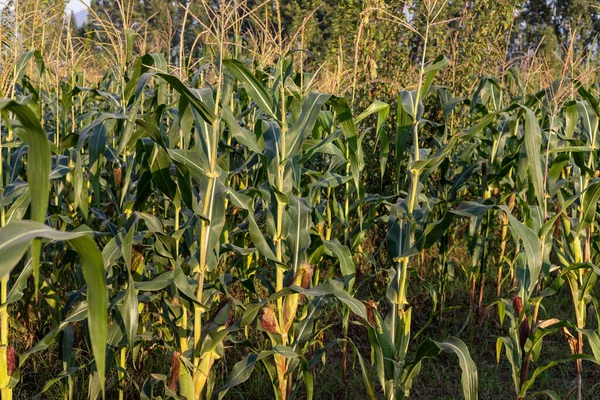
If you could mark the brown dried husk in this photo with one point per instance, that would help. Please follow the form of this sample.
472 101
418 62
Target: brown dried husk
11 360
268 320
175 369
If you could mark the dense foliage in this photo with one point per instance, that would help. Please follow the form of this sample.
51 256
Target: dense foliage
177 229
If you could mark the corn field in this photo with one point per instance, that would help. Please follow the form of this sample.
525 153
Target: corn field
188 231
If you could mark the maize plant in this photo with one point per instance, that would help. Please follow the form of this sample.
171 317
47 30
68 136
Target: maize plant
214 227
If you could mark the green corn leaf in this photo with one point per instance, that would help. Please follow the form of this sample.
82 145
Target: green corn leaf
364 371
186 384
430 72
181 282
242 135
528 278
190 160
241 371
204 134
383 110
339 293
589 97
355 155
23 61
127 244
404 127
97 147
435 160
253 86
129 311
327 180
16 237
129 36
80 185
590 205
186 93
431 349
160 166
18 288
324 146
158 283
65 374
38 170
550 393
258 238
533 141
18 209
343 115
299 231
344 256
304 125
469 369
571 117
539 370
594 342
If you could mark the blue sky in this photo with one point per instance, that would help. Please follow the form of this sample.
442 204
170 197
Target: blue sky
76 5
